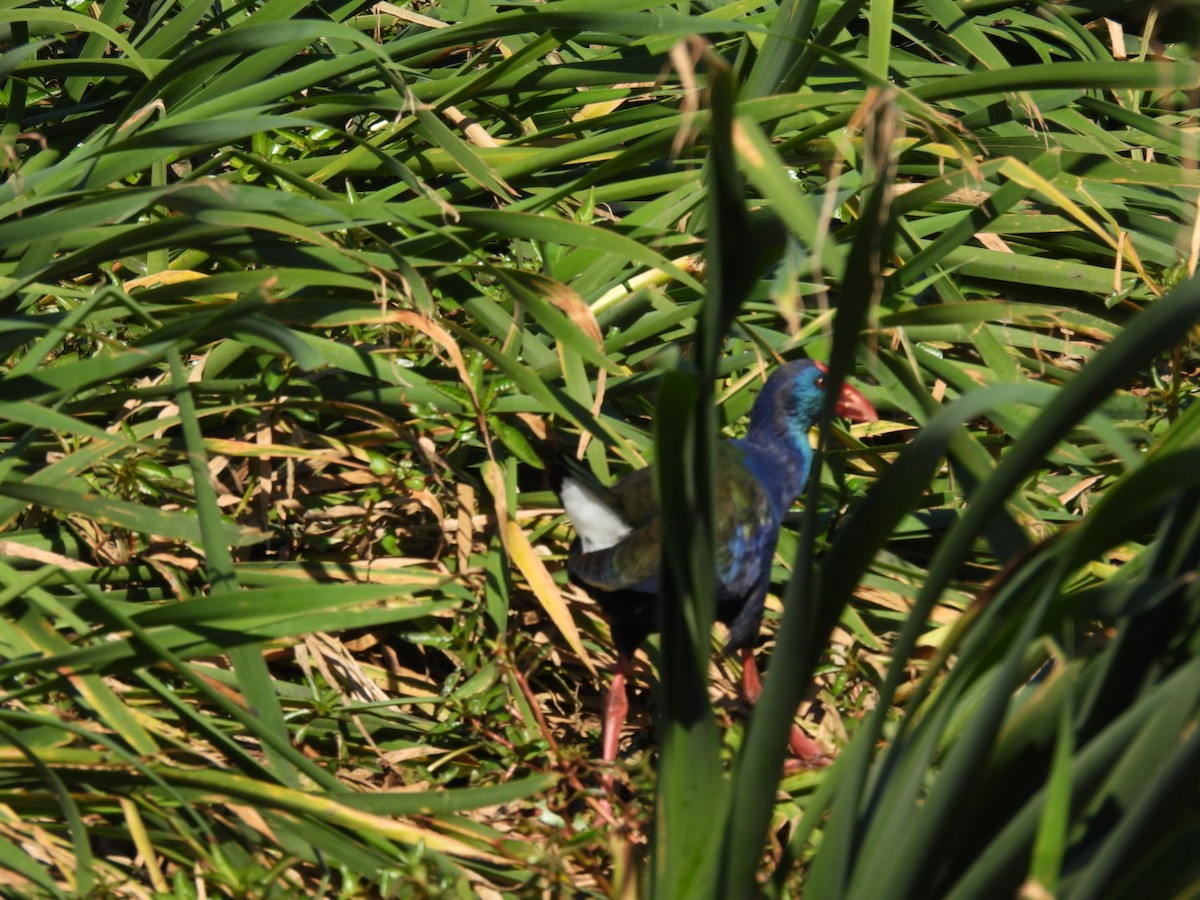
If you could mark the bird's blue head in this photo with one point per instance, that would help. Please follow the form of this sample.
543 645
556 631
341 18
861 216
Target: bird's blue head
790 404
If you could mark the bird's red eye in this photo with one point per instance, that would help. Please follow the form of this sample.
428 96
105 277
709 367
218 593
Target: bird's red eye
821 382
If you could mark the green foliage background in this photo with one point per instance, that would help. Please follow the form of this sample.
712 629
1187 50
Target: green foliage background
294 295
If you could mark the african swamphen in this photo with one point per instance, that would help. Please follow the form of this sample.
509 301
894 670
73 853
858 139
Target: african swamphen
618 552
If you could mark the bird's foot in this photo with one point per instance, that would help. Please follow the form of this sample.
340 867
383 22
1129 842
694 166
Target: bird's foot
751 683
806 753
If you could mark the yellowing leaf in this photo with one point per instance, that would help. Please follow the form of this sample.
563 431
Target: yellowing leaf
531 567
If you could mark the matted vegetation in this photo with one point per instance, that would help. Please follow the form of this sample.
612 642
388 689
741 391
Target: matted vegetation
295 297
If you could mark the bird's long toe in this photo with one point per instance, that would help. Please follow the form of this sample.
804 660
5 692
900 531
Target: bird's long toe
805 752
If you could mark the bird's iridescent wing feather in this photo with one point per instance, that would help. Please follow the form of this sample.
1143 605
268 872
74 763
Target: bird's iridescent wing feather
632 564
633 496
745 526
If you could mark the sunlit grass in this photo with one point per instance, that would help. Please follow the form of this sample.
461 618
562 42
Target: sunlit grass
297 295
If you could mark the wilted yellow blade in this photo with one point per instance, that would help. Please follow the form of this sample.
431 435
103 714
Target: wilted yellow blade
530 565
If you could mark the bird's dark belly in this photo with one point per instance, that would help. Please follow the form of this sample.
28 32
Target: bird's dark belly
634 614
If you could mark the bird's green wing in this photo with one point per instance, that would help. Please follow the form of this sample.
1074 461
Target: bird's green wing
634 497
631 564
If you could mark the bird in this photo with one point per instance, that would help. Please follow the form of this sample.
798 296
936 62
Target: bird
616 556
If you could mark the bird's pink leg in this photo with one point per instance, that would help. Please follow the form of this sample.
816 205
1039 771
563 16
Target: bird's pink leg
751 683
806 752
616 707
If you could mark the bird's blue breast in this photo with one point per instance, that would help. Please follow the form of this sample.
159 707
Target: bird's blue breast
749 511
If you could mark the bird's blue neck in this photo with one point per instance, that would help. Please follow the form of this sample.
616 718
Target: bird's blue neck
782 470
777 440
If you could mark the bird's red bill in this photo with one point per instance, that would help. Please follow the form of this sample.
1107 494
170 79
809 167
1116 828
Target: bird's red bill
851 404
854 406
